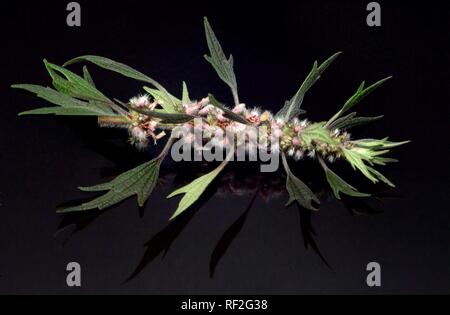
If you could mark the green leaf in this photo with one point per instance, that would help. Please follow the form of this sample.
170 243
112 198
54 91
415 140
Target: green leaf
228 113
185 98
357 97
67 82
164 99
380 176
338 185
343 124
139 181
195 189
67 105
220 63
298 190
166 118
291 108
356 161
124 70
378 144
87 76
318 132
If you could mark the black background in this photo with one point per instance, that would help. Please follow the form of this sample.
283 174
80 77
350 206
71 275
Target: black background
274 44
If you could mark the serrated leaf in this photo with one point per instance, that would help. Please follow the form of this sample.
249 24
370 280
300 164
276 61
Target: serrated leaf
298 190
166 118
291 108
185 96
74 85
195 189
217 58
357 97
228 113
338 185
139 181
124 70
67 104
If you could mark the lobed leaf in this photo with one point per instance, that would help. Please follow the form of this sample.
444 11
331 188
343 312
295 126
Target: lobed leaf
220 63
338 185
298 190
139 181
124 70
195 189
360 94
67 105
291 108
67 82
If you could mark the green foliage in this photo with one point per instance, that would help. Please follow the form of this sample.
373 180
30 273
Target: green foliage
317 131
220 63
127 71
356 98
166 118
338 185
227 112
195 189
350 121
87 76
67 105
138 181
185 95
165 99
298 190
291 108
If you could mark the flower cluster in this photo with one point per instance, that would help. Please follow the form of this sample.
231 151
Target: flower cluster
296 138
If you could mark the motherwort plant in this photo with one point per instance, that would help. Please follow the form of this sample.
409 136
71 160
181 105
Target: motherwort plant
215 131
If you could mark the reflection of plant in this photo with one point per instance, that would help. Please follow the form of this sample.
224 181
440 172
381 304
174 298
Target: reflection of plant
148 117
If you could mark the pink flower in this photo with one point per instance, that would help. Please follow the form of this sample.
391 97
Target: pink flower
239 109
192 109
205 110
203 102
295 141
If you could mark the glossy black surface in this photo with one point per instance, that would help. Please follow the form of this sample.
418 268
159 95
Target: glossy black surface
235 240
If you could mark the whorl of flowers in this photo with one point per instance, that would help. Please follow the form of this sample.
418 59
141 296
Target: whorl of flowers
160 115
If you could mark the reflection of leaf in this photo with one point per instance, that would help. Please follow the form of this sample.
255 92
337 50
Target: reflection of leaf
356 98
195 189
298 190
220 63
228 236
138 181
124 70
291 108
338 185
66 105
227 112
